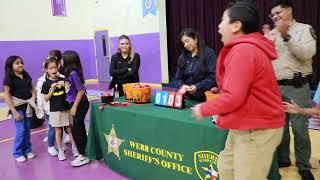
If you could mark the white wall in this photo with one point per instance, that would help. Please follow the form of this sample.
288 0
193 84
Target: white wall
33 20
121 17
163 41
30 20
126 17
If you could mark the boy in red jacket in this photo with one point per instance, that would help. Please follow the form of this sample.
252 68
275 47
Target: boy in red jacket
250 104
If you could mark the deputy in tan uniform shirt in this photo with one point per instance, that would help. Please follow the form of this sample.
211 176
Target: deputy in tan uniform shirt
296 45
295 51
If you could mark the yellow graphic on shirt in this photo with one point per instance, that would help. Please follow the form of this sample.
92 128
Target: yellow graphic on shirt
58 93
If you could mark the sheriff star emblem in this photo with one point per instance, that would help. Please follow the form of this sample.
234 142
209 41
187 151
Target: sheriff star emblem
206 165
113 142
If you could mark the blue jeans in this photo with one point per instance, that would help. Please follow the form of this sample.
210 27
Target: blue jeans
22 144
51 133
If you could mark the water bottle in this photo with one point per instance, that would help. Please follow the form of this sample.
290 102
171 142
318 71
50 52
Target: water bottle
116 92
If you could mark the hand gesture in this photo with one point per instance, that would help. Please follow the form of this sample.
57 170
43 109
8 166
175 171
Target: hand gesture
192 89
215 90
73 111
196 112
291 107
54 86
61 84
283 27
17 116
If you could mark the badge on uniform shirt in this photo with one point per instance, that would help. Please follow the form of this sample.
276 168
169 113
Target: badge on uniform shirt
313 33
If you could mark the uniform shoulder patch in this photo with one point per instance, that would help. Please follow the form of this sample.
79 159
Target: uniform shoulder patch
313 33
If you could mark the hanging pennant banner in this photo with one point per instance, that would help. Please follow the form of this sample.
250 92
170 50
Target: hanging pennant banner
58 8
149 6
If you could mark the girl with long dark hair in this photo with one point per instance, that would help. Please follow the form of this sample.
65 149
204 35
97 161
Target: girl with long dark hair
76 96
19 94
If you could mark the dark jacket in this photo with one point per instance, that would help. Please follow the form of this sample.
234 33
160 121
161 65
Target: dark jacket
198 72
119 70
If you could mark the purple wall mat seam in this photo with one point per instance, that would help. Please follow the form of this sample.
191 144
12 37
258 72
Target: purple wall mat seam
34 52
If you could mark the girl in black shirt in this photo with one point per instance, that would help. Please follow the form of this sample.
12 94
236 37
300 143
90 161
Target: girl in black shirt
59 116
17 84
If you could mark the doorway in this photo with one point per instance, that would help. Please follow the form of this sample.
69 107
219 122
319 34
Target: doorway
102 55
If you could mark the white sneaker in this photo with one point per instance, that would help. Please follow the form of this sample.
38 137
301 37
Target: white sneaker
64 147
30 155
66 139
80 161
75 151
77 159
45 140
52 151
20 159
61 155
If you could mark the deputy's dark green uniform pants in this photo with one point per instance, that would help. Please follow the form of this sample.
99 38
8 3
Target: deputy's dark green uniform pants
299 124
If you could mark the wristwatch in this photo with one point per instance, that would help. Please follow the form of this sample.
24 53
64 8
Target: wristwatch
286 38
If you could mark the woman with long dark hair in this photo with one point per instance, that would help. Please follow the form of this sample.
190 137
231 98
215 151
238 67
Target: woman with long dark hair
196 65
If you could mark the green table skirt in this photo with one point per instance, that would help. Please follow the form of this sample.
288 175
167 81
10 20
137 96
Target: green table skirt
144 141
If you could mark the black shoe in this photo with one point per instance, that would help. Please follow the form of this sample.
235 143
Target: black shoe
306 175
284 164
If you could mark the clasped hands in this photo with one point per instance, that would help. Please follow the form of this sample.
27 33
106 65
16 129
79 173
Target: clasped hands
57 84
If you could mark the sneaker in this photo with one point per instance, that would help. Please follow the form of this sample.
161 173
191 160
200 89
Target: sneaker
80 161
30 155
61 155
64 147
306 175
66 139
77 159
75 151
45 140
52 151
20 159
